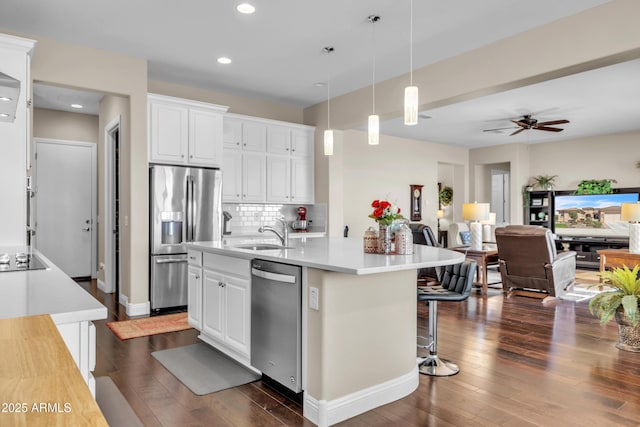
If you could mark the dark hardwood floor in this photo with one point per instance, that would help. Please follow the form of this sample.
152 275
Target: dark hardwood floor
522 364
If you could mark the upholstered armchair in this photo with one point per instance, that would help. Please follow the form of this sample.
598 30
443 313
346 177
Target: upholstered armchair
454 230
529 262
423 235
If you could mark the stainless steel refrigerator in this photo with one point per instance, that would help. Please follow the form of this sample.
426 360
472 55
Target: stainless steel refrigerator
185 206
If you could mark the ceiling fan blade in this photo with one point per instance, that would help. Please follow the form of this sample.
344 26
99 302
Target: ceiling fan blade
523 124
548 129
517 132
491 130
553 122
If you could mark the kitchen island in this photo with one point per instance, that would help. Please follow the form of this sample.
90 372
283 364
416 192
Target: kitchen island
51 291
358 339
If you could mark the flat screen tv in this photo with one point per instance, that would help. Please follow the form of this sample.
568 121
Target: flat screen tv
592 215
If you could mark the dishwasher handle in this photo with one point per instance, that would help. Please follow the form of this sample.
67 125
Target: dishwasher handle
170 260
285 278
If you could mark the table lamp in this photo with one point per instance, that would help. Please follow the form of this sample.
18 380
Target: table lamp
486 227
475 212
440 215
631 212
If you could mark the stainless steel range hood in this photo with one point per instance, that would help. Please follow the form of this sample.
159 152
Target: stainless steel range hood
9 93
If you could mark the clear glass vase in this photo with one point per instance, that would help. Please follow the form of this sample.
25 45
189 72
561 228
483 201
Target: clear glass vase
384 239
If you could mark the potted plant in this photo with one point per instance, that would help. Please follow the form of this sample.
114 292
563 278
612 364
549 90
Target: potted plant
622 303
545 182
594 186
445 196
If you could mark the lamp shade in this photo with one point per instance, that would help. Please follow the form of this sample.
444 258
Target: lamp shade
328 142
475 211
440 213
630 212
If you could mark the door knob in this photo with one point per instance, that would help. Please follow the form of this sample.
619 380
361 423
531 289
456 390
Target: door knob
87 221
86 229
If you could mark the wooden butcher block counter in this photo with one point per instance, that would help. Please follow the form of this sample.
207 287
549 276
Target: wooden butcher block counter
40 384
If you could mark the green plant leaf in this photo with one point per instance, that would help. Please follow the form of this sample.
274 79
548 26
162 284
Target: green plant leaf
630 305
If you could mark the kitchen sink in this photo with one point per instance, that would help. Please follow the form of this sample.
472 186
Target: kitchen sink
261 246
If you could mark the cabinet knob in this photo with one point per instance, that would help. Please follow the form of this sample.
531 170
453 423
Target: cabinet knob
221 284
182 156
237 195
191 156
286 149
238 143
197 277
293 149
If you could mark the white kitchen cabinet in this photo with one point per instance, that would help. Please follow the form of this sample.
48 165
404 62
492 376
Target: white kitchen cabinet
243 167
15 134
290 168
80 338
194 288
226 313
267 161
194 296
184 132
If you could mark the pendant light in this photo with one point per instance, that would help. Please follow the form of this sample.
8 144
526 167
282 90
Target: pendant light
374 119
328 134
411 91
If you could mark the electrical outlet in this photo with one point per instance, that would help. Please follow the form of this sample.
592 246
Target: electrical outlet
314 297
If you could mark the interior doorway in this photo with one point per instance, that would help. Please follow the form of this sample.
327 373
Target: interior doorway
65 204
500 200
112 208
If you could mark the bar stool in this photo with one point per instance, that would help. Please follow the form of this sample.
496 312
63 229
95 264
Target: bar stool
456 284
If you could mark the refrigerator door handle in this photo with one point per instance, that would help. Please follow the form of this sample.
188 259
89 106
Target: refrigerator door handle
170 260
193 208
189 208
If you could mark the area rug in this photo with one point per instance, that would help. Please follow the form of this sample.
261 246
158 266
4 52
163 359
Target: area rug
127 329
204 369
113 405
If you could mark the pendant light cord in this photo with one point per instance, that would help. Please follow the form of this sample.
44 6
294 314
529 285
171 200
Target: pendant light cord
329 88
373 78
411 43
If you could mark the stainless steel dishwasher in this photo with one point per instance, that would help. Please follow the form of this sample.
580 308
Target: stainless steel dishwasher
276 322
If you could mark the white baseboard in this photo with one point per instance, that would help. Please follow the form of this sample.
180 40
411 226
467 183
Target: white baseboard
328 412
104 288
140 309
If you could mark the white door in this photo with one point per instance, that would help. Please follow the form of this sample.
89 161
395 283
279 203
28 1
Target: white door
64 177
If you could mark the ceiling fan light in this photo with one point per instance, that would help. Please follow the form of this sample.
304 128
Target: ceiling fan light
328 142
374 129
411 105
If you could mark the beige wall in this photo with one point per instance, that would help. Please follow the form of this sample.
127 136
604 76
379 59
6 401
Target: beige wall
112 107
386 171
64 125
76 66
599 157
236 104
574 44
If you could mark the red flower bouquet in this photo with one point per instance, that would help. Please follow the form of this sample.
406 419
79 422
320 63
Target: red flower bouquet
384 212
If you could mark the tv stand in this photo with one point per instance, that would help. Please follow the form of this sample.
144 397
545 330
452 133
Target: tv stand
587 247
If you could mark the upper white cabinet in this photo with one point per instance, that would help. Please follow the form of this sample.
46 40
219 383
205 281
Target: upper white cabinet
15 62
184 132
267 161
243 169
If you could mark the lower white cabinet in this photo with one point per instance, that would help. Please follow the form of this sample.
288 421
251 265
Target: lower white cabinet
80 338
194 296
223 293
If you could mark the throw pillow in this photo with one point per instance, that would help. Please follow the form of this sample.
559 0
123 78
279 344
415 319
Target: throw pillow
465 236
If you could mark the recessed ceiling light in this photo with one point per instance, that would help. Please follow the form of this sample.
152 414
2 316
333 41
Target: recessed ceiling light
78 106
224 60
319 84
245 8
424 116
4 115
5 99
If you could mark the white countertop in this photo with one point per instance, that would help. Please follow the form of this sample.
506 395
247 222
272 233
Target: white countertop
50 291
344 255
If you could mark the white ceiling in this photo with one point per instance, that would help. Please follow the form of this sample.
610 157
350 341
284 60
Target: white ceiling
277 54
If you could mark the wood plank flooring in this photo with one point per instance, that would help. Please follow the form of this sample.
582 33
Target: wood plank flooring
522 364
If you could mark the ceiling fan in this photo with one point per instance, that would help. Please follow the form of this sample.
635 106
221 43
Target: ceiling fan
527 122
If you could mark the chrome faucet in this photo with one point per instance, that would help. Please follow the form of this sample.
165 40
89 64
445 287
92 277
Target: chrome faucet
284 236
